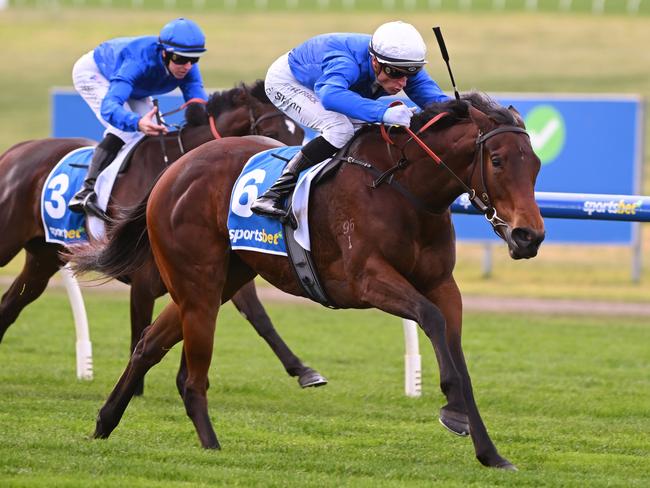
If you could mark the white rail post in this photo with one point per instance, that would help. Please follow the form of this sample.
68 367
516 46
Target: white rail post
412 360
84 348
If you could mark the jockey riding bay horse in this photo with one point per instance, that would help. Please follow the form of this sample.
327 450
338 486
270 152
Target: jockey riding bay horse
398 257
24 168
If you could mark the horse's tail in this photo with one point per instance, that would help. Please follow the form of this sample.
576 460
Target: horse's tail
125 249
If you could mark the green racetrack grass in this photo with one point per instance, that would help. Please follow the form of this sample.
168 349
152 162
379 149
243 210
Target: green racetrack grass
566 399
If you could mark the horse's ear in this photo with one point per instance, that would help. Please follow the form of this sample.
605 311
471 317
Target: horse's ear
517 115
481 120
196 115
240 96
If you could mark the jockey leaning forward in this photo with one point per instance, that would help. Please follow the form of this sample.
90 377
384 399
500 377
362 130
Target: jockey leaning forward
117 80
331 84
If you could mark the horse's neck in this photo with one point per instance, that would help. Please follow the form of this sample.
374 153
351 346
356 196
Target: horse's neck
427 181
193 137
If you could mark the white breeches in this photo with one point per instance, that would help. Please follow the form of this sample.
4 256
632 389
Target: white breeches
93 86
302 105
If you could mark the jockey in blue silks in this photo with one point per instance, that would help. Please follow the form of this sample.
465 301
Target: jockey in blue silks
117 80
331 84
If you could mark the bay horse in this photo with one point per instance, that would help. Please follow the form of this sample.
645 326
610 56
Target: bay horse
381 235
24 168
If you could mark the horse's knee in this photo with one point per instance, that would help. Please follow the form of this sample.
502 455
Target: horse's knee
147 354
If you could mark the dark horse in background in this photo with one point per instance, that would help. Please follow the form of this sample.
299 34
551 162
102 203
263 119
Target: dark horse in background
24 167
398 257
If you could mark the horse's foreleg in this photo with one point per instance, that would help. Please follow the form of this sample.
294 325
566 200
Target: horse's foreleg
41 262
152 347
384 288
464 418
249 305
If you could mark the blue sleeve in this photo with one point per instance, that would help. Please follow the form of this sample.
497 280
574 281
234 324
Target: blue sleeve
422 90
113 110
333 89
192 85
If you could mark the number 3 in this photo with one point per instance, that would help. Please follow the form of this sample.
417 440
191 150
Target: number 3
55 205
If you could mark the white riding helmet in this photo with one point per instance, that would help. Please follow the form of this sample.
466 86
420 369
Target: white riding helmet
398 44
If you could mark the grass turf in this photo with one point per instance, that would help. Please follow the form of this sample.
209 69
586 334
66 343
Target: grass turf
566 399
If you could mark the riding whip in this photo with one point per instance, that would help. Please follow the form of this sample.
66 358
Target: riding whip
445 56
161 137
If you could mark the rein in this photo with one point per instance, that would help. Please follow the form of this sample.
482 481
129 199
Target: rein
254 122
482 203
213 127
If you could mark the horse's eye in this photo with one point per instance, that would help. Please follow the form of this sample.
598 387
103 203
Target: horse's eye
496 161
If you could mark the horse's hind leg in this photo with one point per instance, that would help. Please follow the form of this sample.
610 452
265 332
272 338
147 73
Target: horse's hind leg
41 262
152 347
198 335
251 308
146 286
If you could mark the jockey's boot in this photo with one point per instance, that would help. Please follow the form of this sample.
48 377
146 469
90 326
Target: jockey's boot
270 203
85 200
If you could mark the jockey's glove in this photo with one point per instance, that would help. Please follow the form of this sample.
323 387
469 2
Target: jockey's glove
398 115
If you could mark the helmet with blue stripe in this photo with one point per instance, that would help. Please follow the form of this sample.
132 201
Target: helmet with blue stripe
183 36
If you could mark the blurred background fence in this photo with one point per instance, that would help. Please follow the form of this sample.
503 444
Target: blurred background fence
632 7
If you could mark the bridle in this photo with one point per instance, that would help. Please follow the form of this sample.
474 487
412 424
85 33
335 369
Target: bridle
255 121
482 203
254 130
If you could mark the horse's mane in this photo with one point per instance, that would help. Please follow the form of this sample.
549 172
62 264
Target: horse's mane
459 111
222 101
236 97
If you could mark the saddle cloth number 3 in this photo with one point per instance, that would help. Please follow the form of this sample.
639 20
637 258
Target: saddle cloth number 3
56 204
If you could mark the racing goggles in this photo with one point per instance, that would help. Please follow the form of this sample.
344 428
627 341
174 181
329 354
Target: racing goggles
180 59
395 72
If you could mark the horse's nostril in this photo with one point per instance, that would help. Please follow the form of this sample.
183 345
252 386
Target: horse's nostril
525 237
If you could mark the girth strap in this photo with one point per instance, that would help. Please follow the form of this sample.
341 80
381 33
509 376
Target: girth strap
303 265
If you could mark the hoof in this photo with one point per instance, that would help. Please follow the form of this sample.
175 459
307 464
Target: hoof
455 422
507 465
494 460
497 462
216 447
100 433
311 378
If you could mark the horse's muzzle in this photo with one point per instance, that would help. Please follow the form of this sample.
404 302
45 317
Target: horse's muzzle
523 242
